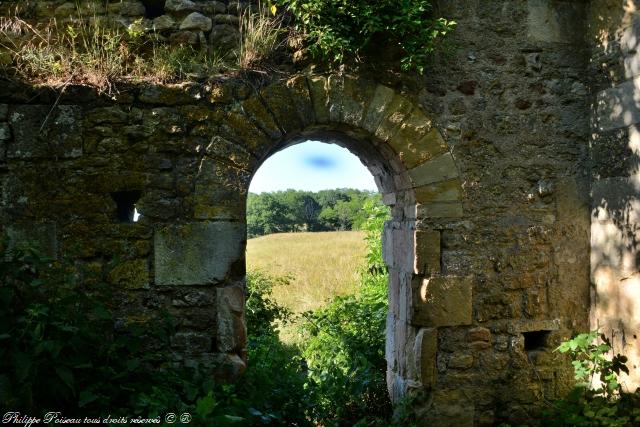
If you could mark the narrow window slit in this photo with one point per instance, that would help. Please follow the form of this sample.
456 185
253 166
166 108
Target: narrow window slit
126 211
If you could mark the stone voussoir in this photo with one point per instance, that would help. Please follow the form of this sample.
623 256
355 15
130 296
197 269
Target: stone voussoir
378 108
441 168
357 96
299 88
397 112
255 109
282 105
319 97
335 89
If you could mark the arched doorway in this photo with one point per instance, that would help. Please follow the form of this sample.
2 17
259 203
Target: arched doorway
414 171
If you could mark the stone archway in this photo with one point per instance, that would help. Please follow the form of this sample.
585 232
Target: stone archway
414 171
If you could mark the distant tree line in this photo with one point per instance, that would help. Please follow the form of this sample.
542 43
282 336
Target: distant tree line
293 210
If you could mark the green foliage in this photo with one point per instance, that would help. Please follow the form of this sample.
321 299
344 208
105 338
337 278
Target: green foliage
589 403
337 29
590 361
262 313
291 210
261 37
63 349
344 344
98 52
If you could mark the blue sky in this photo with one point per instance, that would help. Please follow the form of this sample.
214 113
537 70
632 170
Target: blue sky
312 166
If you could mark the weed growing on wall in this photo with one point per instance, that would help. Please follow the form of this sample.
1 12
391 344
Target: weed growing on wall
336 30
99 52
598 398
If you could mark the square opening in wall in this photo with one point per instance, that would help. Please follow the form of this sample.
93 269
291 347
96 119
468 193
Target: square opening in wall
535 340
126 211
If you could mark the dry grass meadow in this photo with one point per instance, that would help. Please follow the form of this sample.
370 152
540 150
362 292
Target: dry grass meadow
322 264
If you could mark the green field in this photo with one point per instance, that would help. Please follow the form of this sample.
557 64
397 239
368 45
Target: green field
322 264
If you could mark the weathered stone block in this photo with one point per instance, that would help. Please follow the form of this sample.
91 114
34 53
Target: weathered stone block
180 6
220 148
228 367
355 100
108 115
441 168
534 325
445 191
413 128
283 107
236 128
427 252
256 110
415 152
442 301
41 236
163 23
198 253
39 131
299 89
403 247
214 7
426 349
450 408
375 113
231 334
335 89
194 298
320 97
440 210
196 21
232 20
397 112
479 334
132 8
613 246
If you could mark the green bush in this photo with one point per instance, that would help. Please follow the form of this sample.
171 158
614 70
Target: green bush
337 29
591 403
344 344
62 348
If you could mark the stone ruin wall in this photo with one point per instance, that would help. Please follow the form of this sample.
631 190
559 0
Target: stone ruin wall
614 33
485 161
200 23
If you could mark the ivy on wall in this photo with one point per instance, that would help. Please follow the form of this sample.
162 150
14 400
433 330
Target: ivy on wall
337 29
